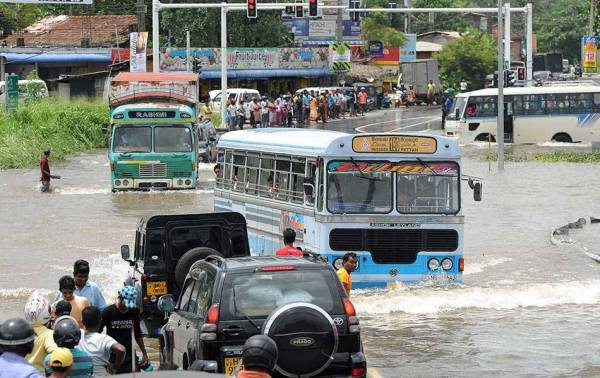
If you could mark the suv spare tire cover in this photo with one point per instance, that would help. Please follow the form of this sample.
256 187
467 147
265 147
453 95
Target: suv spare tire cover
185 262
306 337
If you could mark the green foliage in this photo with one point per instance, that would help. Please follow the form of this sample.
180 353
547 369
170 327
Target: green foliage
551 157
34 91
378 26
442 21
17 16
470 58
267 30
66 127
561 26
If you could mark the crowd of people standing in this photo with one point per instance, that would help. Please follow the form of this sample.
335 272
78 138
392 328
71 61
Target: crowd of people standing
288 110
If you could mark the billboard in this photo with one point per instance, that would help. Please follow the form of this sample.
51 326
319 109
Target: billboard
137 51
590 53
408 52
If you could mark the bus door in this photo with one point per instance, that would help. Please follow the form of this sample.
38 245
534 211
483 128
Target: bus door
508 119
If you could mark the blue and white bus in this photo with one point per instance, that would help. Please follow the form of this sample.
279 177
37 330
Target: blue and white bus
393 199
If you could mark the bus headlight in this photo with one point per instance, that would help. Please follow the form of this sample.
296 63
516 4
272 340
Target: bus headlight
180 182
117 182
188 182
433 264
447 264
337 263
125 182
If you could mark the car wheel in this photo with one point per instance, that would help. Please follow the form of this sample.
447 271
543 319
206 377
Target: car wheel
185 262
306 338
562 137
484 138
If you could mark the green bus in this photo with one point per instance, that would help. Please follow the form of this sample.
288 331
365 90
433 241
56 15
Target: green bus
153 140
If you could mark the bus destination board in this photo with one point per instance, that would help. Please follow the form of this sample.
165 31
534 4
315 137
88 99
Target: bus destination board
394 143
152 114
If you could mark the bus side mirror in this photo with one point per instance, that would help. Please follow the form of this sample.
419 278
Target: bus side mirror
104 127
125 255
308 189
477 191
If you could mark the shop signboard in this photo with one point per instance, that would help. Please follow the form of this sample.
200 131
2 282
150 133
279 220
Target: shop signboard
137 53
12 92
590 53
408 52
174 59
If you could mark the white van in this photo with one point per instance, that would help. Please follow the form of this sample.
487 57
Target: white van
246 94
40 85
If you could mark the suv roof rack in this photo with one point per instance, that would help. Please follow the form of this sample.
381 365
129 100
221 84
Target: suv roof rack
218 260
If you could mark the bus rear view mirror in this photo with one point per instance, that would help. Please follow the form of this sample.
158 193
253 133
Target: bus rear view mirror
477 191
104 127
125 252
308 189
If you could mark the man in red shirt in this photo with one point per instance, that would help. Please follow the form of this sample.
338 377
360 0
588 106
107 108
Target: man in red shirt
362 100
289 237
45 171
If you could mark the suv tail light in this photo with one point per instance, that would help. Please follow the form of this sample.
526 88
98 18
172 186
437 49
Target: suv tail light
358 371
276 268
349 307
213 314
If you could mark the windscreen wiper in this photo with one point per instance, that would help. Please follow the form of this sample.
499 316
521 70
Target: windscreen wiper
236 311
433 173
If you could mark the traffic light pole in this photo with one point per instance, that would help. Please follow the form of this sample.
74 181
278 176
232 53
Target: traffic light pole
500 108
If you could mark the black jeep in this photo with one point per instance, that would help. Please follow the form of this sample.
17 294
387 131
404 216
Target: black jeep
298 301
166 246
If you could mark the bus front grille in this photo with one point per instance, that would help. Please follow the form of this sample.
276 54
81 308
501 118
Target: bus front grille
392 245
153 170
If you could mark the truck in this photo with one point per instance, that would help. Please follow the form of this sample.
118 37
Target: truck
418 74
153 138
165 248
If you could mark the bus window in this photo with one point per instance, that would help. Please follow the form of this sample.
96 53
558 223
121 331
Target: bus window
281 186
428 188
596 103
132 139
298 168
266 177
352 190
227 168
172 139
252 164
534 104
239 172
459 104
312 174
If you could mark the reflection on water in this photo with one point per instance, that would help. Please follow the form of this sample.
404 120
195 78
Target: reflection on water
526 307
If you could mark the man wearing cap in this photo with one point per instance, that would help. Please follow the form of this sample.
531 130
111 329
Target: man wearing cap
61 363
121 320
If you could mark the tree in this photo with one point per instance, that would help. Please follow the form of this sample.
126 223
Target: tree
378 26
442 21
561 27
470 58
267 30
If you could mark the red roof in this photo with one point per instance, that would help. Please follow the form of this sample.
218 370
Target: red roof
68 31
154 76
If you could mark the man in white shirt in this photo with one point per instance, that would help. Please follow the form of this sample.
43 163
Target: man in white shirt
98 345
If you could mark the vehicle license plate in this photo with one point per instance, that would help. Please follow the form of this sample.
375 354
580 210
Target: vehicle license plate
156 288
230 364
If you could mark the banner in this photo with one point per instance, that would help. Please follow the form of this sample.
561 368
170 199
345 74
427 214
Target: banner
321 28
590 53
137 51
376 49
408 52
174 59
341 54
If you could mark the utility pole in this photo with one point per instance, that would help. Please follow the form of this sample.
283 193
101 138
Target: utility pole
406 5
592 17
141 15
500 109
339 36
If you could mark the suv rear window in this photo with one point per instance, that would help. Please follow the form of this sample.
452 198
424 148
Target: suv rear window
258 294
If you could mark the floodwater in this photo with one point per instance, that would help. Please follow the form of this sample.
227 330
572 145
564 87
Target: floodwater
526 308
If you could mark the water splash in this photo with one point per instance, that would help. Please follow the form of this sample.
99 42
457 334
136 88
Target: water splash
473 268
434 300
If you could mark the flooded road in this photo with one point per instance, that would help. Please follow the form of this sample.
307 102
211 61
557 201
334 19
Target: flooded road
526 308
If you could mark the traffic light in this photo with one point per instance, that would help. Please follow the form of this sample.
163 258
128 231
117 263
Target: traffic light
299 9
196 66
289 10
521 73
313 8
509 78
251 8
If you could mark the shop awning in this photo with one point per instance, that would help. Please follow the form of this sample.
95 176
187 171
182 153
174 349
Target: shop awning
16 58
265 74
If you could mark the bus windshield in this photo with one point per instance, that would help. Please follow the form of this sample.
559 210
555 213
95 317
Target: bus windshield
459 103
354 188
132 139
427 187
172 139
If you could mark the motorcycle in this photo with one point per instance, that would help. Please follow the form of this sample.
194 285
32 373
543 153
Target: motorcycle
387 101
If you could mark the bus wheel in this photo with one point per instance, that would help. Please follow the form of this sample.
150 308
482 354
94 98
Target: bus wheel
562 137
484 138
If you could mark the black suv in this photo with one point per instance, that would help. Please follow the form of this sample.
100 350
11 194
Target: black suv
166 246
298 301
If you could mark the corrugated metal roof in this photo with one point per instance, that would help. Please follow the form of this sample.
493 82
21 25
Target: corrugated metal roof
428 46
153 76
15 58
